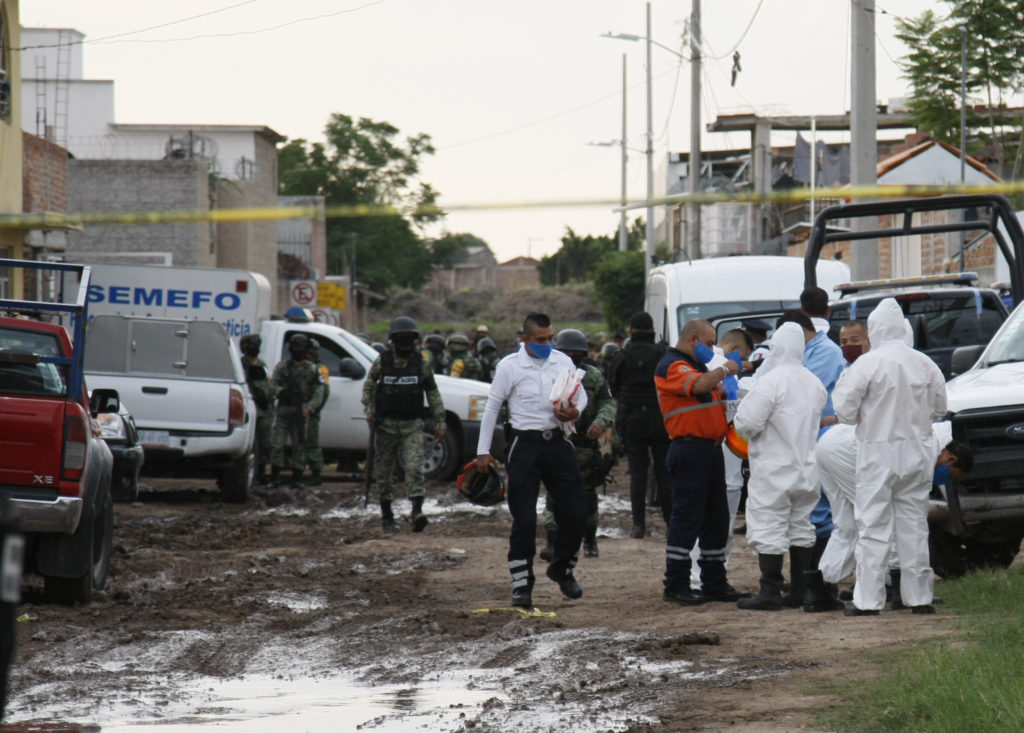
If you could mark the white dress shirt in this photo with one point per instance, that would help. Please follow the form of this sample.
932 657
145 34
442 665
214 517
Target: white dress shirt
525 382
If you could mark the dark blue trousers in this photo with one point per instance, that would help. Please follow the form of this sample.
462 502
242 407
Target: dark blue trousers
700 511
553 462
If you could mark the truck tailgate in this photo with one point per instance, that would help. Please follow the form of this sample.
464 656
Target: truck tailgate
31 441
161 404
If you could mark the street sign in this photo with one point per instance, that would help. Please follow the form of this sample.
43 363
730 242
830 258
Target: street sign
303 293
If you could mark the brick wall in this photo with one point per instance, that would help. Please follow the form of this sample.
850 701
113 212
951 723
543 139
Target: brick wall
44 175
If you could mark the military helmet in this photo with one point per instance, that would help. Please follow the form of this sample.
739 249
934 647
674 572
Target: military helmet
571 339
314 349
378 347
298 342
403 324
484 489
459 340
609 350
486 344
434 342
250 338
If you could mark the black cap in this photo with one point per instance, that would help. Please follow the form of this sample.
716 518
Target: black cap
641 321
757 326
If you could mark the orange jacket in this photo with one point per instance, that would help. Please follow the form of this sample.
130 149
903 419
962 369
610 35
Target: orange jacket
687 414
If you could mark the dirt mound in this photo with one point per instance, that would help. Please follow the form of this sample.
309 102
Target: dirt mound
562 304
416 306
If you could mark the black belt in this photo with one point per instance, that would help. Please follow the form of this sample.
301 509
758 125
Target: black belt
545 435
695 439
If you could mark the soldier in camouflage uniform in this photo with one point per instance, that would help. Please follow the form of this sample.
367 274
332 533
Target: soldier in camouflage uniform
299 388
314 453
256 377
598 417
434 352
393 401
461 362
487 355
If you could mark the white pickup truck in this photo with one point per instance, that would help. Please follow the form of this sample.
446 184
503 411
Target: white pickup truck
344 432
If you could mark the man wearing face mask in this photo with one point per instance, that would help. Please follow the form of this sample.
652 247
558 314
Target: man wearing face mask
538 452
694 416
393 402
853 340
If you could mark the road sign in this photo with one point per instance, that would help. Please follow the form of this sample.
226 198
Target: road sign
303 293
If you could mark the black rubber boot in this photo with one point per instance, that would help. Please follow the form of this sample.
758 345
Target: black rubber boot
387 517
418 518
895 597
261 475
590 542
549 551
819 595
314 479
820 543
799 563
296 482
275 477
769 598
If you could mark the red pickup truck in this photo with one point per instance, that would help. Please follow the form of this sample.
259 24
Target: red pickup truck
54 464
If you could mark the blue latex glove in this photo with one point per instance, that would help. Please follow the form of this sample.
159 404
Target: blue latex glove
735 356
732 387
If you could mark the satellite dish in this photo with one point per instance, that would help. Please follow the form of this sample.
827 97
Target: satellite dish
246 169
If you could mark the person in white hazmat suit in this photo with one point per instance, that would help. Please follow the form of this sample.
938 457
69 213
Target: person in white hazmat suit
779 417
892 394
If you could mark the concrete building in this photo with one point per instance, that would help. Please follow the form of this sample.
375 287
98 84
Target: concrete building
11 196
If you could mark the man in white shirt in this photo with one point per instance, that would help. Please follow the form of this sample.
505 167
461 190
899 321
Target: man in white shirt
539 451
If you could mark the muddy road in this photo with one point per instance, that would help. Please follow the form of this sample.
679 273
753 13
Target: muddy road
296 610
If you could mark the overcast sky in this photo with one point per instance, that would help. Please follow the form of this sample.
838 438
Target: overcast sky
511 93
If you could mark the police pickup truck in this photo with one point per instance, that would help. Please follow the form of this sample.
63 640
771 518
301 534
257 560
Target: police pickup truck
978 519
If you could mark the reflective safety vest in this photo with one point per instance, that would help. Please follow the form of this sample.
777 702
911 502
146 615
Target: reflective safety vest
687 414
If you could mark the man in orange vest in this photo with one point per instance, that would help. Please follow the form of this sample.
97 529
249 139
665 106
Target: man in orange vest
694 415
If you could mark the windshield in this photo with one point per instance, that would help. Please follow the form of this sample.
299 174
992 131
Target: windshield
688 311
1009 345
21 370
940 320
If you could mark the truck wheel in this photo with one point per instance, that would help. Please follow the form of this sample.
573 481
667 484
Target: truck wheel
124 487
96 532
947 553
992 554
236 481
441 459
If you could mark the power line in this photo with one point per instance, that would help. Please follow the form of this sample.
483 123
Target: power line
746 30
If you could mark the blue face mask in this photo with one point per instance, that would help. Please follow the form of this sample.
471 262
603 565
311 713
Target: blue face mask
941 475
541 351
703 353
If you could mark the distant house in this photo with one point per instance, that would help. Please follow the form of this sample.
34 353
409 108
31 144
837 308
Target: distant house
478 269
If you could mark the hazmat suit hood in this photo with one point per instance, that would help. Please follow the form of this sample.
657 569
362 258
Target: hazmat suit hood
788 344
887 323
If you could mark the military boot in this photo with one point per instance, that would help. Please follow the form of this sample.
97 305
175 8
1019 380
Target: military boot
769 598
895 596
418 518
799 563
275 477
314 478
296 482
590 542
387 517
820 596
261 475
549 551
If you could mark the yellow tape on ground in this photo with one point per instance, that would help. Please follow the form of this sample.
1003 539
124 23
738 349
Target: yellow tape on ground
535 613
80 220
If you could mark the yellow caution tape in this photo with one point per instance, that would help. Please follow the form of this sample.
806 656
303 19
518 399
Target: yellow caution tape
274 213
535 613
26 617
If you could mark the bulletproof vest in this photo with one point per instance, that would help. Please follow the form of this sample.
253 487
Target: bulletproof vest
400 389
636 380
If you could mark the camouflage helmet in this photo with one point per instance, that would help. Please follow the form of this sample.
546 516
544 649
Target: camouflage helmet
571 339
459 341
314 349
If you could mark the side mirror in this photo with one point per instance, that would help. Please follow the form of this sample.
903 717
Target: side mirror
104 400
964 358
349 367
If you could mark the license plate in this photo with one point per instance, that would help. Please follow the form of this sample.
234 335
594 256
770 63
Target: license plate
154 437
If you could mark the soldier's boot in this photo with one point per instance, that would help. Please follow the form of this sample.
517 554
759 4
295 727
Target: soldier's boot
549 551
261 475
769 598
895 597
418 518
387 517
799 563
275 477
820 596
296 482
314 478
590 542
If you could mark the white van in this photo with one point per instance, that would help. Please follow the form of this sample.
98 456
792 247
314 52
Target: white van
681 291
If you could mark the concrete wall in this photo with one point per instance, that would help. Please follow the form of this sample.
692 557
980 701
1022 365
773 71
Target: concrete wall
45 175
117 186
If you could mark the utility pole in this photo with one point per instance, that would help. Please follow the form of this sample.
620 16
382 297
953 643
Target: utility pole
623 224
863 129
649 152
963 128
693 223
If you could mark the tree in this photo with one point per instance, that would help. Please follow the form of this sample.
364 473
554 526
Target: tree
579 255
448 249
995 40
619 286
365 162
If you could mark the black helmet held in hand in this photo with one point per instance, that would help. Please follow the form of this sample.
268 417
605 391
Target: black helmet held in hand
484 489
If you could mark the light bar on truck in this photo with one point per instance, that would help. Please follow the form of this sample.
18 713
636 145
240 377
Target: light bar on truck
953 278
